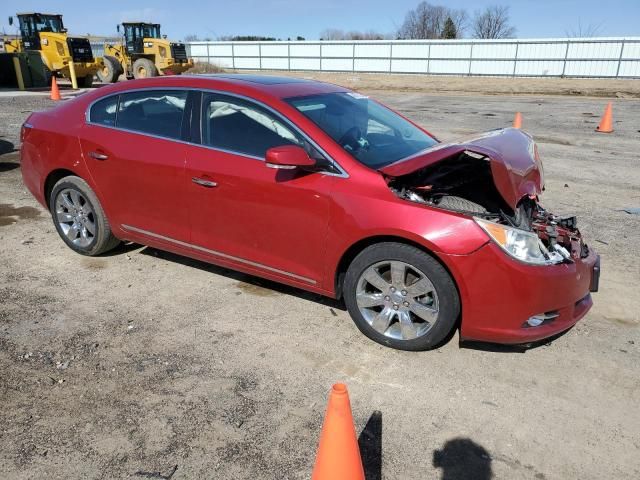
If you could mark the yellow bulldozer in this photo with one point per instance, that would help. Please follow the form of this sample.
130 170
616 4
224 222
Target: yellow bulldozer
60 53
143 52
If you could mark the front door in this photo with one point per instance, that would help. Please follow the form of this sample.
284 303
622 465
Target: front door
268 219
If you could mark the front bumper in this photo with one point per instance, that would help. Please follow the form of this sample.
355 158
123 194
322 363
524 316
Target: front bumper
499 294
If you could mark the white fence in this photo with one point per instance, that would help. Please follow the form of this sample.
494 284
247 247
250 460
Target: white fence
566 57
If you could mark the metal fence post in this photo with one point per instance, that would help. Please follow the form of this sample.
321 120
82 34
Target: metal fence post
289 56
208 54
515 60
320 57
259 56
233 57
353 57
566 54
390 56
428 58
470 59
620 59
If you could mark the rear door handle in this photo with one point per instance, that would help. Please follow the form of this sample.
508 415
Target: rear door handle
204 183
98 156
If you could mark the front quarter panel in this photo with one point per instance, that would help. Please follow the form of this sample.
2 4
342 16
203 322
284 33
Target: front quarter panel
364 208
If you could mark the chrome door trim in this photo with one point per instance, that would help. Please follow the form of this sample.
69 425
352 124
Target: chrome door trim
218 254
87 117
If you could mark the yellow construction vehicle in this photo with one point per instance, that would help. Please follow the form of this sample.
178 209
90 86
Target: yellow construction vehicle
143 53
60 53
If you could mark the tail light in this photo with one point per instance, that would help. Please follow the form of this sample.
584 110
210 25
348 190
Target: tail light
24 131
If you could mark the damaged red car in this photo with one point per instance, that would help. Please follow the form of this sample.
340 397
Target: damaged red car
321 188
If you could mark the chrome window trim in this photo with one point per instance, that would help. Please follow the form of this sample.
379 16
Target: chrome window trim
87 116
218 254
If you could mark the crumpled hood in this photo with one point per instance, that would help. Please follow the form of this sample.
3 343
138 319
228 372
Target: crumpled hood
515 164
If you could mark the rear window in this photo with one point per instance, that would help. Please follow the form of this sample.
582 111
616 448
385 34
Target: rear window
157 112
103 112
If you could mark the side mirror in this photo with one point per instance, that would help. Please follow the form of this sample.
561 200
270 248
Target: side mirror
288 157
10 21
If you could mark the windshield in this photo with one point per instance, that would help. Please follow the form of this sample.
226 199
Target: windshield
151 31
371 133
30 24
142 30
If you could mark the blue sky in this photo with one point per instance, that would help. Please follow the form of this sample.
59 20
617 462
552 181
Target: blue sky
288 18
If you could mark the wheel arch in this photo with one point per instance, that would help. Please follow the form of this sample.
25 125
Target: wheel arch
353 251
53 178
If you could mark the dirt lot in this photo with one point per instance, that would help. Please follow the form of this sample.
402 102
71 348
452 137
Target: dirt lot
622 88
143 364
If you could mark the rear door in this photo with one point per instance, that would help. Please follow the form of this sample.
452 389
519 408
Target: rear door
133 150
273 220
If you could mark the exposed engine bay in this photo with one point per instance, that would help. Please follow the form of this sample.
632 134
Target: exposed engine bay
464 183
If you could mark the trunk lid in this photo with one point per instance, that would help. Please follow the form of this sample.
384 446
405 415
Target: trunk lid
515 165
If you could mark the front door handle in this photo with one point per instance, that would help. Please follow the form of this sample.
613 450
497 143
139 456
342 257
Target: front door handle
204 183
98 156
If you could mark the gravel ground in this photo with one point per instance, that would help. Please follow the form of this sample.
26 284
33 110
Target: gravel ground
144 364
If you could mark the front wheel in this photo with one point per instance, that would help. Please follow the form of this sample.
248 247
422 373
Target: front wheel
401 297
144 68
110 71
79 218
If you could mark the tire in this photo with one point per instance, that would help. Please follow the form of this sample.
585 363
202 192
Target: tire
460 204
111 70
144 68
86 81
441 305
74 206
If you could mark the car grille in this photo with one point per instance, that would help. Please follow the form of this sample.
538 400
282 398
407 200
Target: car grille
179 52
80 49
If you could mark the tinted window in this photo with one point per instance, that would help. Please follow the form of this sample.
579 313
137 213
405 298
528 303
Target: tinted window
232 124
158 112
104 111
373 134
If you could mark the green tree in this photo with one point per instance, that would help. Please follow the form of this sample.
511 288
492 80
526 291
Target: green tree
449 30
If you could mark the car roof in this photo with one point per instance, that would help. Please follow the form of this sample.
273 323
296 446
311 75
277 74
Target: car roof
278 87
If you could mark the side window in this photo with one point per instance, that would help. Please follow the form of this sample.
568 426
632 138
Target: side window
157 112
103 112
232 124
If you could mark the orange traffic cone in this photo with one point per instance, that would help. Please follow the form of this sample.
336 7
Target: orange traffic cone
517 120
55 93
338 455
606 124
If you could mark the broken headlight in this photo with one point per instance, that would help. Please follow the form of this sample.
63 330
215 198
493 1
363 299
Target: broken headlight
520 244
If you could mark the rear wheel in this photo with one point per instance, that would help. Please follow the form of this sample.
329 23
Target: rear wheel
401 297
79 218
144 68
110 70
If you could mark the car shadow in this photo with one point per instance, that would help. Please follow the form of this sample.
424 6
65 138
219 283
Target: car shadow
6 148
123 248
519 348
240 277
463 459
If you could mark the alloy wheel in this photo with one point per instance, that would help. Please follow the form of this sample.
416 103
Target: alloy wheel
75 217
397 300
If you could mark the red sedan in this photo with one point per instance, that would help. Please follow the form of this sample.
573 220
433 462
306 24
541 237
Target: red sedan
322 188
